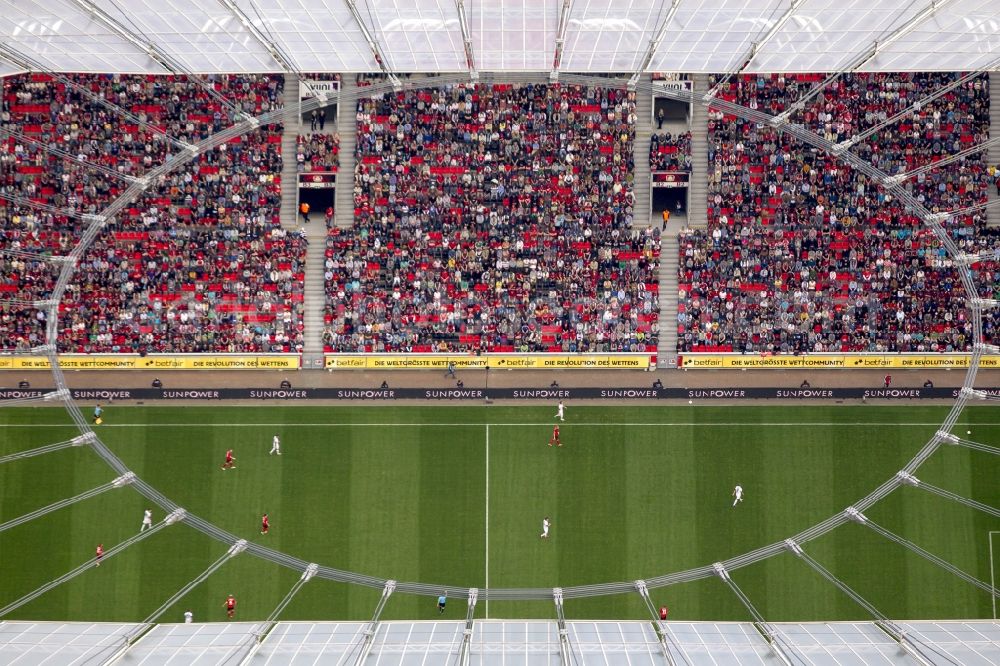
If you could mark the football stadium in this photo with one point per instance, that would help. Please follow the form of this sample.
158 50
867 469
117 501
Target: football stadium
534 332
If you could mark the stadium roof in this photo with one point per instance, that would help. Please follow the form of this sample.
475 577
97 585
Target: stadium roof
498 35
502 643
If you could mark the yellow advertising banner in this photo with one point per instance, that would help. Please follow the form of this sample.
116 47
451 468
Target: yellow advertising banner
155 362
343 362
571 362
423 362
836 361
492 361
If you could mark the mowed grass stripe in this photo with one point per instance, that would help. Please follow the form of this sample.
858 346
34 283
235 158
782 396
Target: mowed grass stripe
524 488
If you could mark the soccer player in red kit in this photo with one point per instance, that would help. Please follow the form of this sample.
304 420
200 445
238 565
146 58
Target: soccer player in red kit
99 553
230 606
555 437
230 460
265 525
663 612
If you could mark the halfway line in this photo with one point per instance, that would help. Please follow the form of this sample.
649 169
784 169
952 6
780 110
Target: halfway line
487 518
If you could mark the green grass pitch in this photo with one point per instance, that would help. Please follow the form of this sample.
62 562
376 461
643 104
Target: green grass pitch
455 496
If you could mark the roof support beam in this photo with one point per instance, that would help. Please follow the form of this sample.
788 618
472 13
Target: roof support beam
908 644
659 625
563 26
470 56
879 46
755 47
766 630
273 49
654 43
463 654
565 650
162 58
373 44
368 635
860 60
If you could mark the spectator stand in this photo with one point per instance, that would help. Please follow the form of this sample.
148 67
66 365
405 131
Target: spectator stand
198 264
804 255
494 218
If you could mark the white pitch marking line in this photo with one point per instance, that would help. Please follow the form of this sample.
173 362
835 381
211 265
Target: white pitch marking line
487 517
993 583
345 424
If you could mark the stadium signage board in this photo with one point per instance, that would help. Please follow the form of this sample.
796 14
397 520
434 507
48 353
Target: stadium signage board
666 84
834 361
640 361
318 180
670 179
156 362
477 395
317 86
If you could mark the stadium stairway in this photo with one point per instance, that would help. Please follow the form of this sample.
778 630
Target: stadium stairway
698 195
643 130
993 156
289 173
666 350
315 291
347 127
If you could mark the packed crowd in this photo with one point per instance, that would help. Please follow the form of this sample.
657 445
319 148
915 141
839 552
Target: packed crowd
493 218
318 152
670 153
803 254
198 264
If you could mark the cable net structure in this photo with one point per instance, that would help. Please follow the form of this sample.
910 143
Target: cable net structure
93 224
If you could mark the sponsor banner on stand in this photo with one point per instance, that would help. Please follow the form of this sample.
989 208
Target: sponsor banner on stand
345 362
626 394
156 362
670 84
836 361
669 179
570 362
318 180
308 86
492 361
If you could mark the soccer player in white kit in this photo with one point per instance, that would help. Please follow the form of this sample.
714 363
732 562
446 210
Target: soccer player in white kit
546 524
275 446
188 617
737 494
147 521
559 414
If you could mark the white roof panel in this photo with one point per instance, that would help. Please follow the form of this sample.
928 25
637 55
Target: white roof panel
965 35
722 643
822 35
506 35
203 37
194 644
513 34
319 35
843 644
310 642
62 37
65 643
609 35
713 35
419 37
972 643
